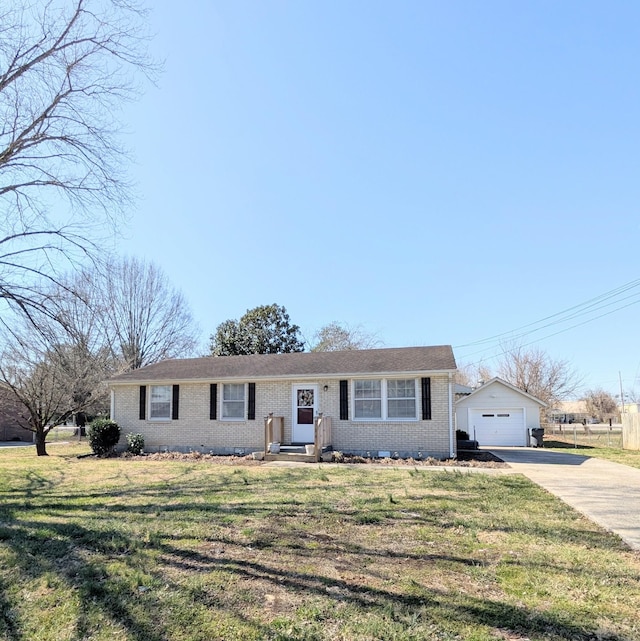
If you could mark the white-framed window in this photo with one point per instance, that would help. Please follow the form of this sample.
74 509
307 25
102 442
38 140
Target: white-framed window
367 399
385 399
401 398
233 397
160 402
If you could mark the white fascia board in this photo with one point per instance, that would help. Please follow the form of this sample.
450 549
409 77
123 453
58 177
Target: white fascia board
288 377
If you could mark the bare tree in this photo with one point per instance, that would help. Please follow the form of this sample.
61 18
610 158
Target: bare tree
535 372
146 320
632 396
66 66
52 370
97 322
472 374
600 404
81 344
339 336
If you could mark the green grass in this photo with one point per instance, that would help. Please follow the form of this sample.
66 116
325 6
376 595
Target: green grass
615 454
124 549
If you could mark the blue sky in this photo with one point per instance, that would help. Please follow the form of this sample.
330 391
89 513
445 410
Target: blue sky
437 172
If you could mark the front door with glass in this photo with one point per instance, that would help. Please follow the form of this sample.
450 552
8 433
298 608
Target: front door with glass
304 410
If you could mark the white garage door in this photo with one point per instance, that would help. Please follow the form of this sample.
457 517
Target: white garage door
498 427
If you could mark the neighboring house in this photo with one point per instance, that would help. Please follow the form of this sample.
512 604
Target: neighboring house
497 413
629 408
397 400
10 410
569 412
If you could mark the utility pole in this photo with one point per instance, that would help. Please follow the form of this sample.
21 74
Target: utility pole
621 392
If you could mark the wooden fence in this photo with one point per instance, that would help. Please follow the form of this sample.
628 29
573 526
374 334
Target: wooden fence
631 431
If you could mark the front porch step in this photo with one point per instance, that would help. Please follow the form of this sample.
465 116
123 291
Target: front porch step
293 453
294 457
292 449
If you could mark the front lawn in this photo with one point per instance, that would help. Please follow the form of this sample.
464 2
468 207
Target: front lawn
124 549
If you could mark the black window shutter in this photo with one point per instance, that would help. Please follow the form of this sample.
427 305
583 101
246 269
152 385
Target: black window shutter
176 403
213 401
143 402
344 400
251 405
426 399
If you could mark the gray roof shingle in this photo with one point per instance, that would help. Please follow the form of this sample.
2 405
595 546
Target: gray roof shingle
395 360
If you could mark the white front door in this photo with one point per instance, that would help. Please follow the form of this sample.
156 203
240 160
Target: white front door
305 408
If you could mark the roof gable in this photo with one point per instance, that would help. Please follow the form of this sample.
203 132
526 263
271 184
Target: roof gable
397 360
498 381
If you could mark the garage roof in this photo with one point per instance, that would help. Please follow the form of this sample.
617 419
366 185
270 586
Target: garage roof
500 381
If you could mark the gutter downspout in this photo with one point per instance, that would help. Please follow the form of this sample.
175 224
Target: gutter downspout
451 434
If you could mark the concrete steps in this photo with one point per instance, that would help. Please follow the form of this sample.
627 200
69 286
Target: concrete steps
293 457
294 453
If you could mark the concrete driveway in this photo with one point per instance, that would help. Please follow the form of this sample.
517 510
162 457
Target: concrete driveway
607 493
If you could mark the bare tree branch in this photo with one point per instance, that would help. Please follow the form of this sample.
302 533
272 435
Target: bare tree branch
340 336
600 404
535 372
473 374
145 318
66 67
27 259
55 363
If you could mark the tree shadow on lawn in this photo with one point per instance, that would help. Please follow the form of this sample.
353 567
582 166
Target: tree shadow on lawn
225 514
82 555
72 557
209 500
7 616
433 605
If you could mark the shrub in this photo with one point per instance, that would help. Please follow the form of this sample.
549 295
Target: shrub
104 434
461 435
135 444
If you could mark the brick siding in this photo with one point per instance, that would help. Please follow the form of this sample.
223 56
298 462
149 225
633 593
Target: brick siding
10 411
194 430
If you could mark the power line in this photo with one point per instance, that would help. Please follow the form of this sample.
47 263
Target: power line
561 331
591 306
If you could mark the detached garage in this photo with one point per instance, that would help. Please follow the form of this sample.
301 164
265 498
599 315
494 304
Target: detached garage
497 413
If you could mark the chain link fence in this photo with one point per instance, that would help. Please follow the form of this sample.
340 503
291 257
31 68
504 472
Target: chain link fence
66 433
602 435
58 434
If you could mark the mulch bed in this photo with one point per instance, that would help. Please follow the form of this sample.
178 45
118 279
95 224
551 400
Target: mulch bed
465 459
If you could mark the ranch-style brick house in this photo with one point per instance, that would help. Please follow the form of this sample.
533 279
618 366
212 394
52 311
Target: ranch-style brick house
394 401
